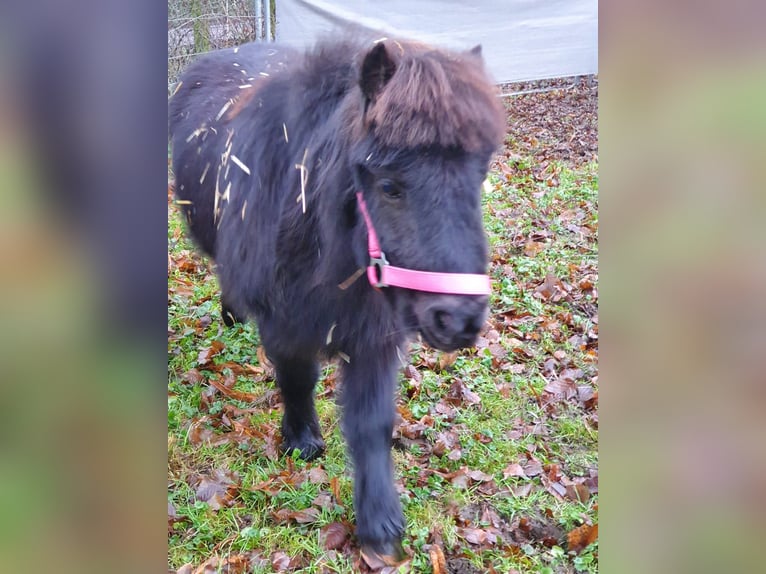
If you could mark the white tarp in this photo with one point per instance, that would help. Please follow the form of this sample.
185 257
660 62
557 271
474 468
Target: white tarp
521 39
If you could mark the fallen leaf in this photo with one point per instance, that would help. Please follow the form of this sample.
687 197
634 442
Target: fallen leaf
218 489
552 471
474 536
578 492
411 373
280 561
523 490
532 248
493 336
323 500
335 487
478 475
459 390
377 561
556 489
498 353
581 537
198 434
305 516
317 475
264 361
552 289
446 360
206 355
447 442
334 535
209 566
438 562
585 393
455 454
533 468
192 377
513 469
561 387
234 394
271 440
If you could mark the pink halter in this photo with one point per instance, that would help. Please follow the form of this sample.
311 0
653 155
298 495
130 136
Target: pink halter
381 274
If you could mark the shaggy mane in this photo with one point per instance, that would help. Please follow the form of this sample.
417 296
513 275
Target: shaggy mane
436 97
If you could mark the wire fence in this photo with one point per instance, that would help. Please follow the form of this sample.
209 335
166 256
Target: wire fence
199 26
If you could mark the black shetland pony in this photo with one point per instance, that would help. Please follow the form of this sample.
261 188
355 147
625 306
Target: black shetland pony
270 148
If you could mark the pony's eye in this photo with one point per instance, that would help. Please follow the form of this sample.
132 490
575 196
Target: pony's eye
390 189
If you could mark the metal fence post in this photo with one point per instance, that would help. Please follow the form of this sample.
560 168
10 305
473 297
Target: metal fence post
267 15
257 5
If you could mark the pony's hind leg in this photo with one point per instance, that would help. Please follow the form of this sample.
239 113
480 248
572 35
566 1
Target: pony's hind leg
300 425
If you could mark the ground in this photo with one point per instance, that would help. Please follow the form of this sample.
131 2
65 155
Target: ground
495 447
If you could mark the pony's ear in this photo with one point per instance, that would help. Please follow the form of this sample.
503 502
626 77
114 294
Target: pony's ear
377 69
475 51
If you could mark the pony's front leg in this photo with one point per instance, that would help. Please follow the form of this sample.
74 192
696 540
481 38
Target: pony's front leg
368 417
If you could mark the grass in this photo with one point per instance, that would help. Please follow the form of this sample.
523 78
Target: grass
539 225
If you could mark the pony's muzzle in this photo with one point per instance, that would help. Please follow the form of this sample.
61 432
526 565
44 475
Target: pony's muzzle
450 322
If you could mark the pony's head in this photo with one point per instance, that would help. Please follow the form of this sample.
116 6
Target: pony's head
424 124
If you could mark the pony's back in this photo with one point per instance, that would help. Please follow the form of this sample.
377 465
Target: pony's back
210 94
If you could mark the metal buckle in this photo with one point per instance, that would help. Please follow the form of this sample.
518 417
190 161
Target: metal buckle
379 263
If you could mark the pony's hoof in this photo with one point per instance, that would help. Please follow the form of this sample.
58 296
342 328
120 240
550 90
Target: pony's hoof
308 449
228 316
384 554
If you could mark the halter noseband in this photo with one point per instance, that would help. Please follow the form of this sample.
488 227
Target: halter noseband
381 274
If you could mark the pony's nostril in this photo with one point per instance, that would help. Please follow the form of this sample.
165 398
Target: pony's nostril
472 326
442 320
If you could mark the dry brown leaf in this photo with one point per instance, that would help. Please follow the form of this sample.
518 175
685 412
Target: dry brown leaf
199 434
280 561
271 440
581 537
446 360
552 289
236 564
556 489
317 475
478 475
533 468
234 394
377 561
523 490
206 355
264 361
192 377
562 387
579 492
218 489
586 395
334 535
323 500
306 516
411 373
438 562
493 336
459 390
513 469
474 536
447 442
335 487
532 248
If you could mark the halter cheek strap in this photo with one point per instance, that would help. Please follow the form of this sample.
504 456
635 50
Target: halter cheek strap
382 274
